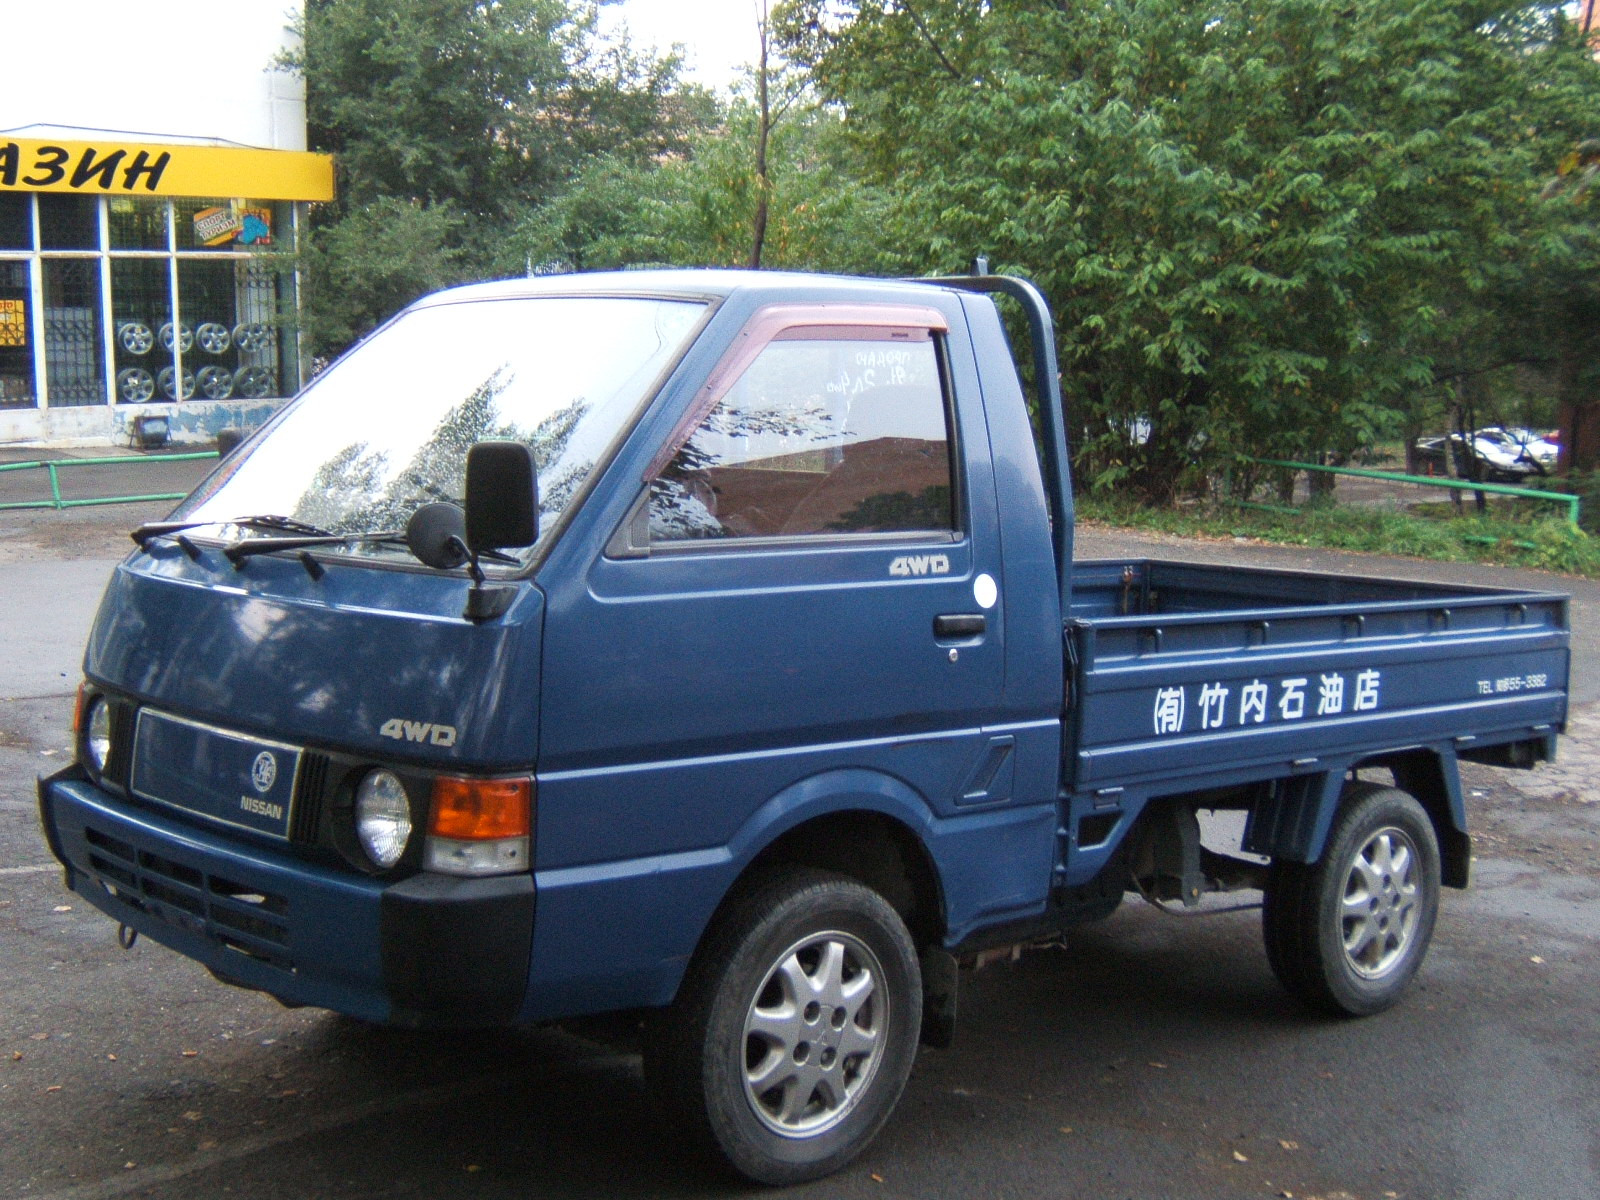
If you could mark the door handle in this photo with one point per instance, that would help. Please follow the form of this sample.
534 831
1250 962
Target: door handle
959 625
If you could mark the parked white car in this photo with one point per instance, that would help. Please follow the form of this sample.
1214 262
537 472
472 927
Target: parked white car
1514 452
1507 454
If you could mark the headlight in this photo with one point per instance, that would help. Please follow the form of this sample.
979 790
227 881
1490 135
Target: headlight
97 734
383 818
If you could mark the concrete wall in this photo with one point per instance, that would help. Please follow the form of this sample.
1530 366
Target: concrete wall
193 423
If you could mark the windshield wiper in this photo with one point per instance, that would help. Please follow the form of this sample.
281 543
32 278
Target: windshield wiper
244 548
272 522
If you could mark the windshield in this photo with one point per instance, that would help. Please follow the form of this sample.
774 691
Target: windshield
387 429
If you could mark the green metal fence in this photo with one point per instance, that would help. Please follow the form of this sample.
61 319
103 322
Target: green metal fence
1464 485
56 466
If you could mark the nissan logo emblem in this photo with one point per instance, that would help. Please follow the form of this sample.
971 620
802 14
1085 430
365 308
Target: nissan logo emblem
264 772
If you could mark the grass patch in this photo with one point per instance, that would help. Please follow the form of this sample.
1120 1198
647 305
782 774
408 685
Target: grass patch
1546 543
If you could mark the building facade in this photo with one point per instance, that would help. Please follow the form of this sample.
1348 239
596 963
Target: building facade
153 273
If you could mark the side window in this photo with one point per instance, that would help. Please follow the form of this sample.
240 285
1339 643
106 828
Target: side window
818 436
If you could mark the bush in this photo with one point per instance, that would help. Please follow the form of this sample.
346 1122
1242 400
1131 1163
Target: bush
1541 541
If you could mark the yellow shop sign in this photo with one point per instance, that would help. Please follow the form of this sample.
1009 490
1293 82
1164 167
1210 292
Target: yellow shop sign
116 168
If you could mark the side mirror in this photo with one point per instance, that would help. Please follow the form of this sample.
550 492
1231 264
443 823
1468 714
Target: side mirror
436 535
502 497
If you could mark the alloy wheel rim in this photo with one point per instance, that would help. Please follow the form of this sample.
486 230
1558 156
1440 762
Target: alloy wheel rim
814 1034
1380 909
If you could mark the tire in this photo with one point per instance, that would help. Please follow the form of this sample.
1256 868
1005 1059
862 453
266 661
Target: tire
794 1031
1347 933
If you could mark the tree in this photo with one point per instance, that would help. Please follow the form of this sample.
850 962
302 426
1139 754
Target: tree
703 207
1261 222
448 119
1566 298
771 74
372 261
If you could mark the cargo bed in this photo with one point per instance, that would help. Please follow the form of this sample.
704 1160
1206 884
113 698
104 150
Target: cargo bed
1188 677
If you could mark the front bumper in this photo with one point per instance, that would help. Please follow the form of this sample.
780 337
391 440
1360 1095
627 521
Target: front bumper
428 950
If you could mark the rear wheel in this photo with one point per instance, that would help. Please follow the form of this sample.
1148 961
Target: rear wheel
795 1029
1347 933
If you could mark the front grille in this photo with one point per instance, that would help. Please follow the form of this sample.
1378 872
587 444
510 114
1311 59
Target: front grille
235 916
309 786
120 759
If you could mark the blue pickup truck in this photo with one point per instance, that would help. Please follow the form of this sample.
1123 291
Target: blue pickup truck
709 647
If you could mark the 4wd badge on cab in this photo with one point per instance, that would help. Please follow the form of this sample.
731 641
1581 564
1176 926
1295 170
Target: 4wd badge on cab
920 564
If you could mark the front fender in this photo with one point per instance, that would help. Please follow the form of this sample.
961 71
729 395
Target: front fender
989 866
619 934
852 789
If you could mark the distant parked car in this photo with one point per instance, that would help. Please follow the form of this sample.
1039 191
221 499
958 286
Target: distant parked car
1494 453
1430 455
1513 453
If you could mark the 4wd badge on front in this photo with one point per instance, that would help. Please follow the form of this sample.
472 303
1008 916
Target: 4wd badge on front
418 731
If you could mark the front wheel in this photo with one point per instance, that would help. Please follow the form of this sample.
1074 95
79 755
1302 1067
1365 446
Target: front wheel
795 1029
1347 933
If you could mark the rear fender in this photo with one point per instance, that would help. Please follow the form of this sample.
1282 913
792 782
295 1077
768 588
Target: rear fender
1433 777
1291 823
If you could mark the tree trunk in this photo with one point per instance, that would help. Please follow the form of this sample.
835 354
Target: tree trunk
1578 420
763 134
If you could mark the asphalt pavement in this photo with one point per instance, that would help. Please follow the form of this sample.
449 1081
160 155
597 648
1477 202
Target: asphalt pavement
1148 1057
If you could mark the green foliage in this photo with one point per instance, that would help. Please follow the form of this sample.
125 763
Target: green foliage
1267 229
477 105
698 208
1263 225
448 120
1547 543
1560 547
1586 486
373 261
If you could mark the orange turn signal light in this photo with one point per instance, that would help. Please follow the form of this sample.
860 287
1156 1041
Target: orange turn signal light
78 706
479 810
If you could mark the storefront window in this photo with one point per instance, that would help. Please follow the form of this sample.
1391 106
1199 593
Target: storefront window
138 224
227 225
74 365
16 222
200 305
208 312
265 336
141 310
69 222
16 342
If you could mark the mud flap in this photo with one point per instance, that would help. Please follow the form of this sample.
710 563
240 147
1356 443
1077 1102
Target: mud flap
941 981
